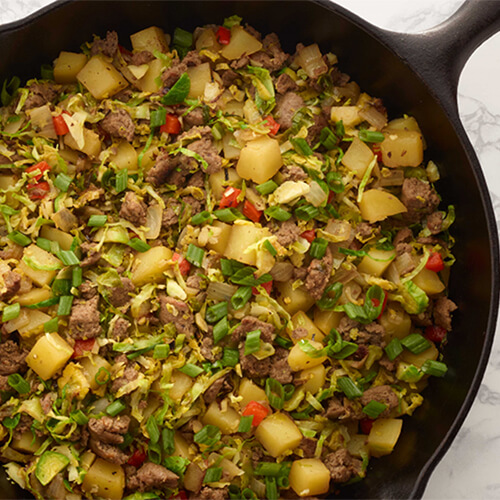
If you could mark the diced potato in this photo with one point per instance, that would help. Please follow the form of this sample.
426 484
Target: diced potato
349 115
250 392
149 266
67 66
104 479
358 157
150 39
91 146
125 157
405 123
16 323
101 78
227 421
222 179
377 204
36 320
326 320
384 435
149 82
259 160
301 320
278 424
181 447
27 442
91 366
222 238
402 148
206 39
65 240
242 236
242 43
73 376
299 360
357 446
294 300
49 355
376 261
419 359
231 150
309 477
314 377
40 266
396 322
182 384
7 181
193 478
34 296
429 282
199 76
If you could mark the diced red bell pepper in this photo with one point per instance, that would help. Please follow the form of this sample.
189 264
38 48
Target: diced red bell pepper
182 495
273 125
365 425
184 265
137 458
267 286
81 346
258 411
309 235
435 262
223 35
376 303
230 198
42 166
331 195
39 190
251 212
172 125
377 152
60 126
435 333
124 51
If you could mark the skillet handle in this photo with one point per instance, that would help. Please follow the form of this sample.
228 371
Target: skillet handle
439 54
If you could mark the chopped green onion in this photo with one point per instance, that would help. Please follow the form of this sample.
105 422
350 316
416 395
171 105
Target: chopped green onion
267 187
65 303
241 297
61 287
228 214
201 218
10 423
221 329
161 351
416 343
275 393
339 128
158 117
245 423
231 357
44 303
327 302
182 38
216 312
271 488
97 220
289 391
283 342
212 475
435 368
277 213
393 349
115 407
68 258
102 376
46 72
62 182
121 180
167 440
301 146
328 138
178 92
230 267
318 248
349 388
195 255
334 181
77 277
306 212
51 326
269 247
252 342
19 238
248 494
79 417
11 311
191 370
18 383
209 435
138 245
54 247
268 469
374 408
231 21
43 243
371 136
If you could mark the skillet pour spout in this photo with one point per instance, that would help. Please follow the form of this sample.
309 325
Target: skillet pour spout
414 74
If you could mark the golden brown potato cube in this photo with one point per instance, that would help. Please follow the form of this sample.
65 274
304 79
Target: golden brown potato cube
149 82
309 477
293 300
396 322
314 378
206 39
149 266
181 446
65 240
259 160
199 76
278 424
27 442
402 148
242 43
418 360
384 435
358 157
376 261
227 419
101 78
217 180
40 266
95 368
182 384
301 320
151 39
349 115
377 204
220 241
73 376
326 320
36 320
104 479
125 156
300 360
243 236
34 296
250 392
429 282
67 66
49 355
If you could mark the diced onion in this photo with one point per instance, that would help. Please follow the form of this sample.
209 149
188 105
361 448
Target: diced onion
311 61
352 291
373 116
153 221
391 177
41 120
404 263
339 230
344 276
282 271
220 291
316 196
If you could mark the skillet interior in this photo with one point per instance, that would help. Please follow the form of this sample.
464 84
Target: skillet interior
381 73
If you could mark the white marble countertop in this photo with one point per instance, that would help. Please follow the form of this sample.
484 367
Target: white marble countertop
470 468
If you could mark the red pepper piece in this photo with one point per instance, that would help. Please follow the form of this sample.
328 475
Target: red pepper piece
258 411
223 35
309 235
184 265
377 152
435 262
60 125
435 333
376 303
137 459
172 125
331 196
124 51
251 212
273 125
39 190
182 495
42 166
230 198
366 425
267 286
81 346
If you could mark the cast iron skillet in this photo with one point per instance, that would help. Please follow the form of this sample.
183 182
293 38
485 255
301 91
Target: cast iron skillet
414 74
